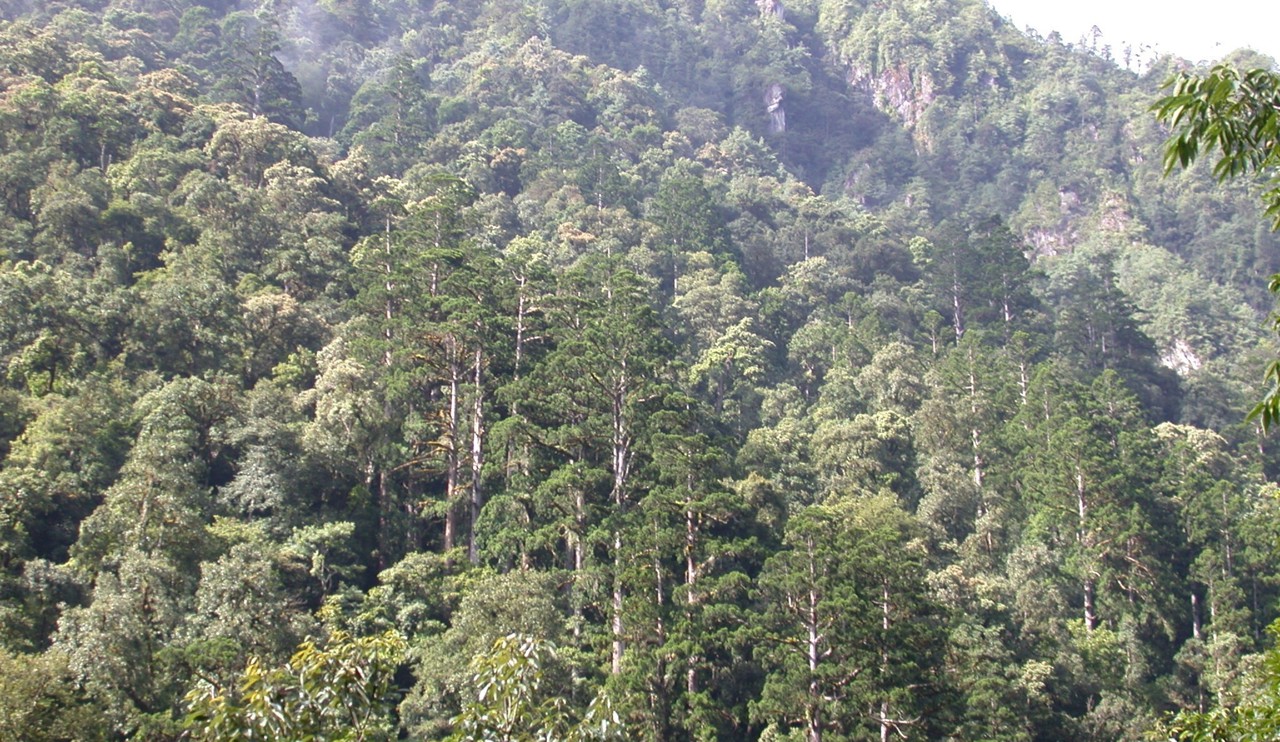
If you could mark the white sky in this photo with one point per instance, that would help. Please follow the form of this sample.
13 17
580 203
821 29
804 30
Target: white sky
1200 30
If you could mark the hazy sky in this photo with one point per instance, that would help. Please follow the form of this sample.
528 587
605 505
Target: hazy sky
1203 30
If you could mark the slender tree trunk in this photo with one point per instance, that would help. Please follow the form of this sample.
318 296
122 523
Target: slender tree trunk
517 460
660 684
390 286
375 484
621 464
1090 612
884 657
384 527
477 455
1195 615
1090 584
957 304
616 623
452 467
975 446
691 587
520 328
576 552
1023 381
813 644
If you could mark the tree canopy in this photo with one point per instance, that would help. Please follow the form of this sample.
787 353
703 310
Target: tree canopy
653 369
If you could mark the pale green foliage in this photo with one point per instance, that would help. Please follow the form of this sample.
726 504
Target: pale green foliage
342 689
113 645
863 454
39 700
737 358
893 380
1254 720
510 704
241 598
324 551
159 503
347 416
494 606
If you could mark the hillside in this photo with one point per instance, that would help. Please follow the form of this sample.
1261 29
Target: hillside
655 369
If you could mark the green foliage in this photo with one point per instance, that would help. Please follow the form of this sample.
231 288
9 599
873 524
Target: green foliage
827 370
1234 114
845 625
340 689
510 703
1231 112
39 700
1257 717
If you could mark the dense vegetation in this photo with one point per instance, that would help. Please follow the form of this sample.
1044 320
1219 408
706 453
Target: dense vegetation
651 368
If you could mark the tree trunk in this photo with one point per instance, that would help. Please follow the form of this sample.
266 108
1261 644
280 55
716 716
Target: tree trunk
884 657
1090 613
1082 537
576 554
389 306
451 449
477 455
616 623
813 644
621 464
957 304
691 587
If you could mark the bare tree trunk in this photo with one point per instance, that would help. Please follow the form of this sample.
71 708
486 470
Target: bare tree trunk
975 445
616 624
814 712
957 305
1195 615
1023 381
884 658
690 582
621 465
477 455
451 449
576 553
389 285
1090 585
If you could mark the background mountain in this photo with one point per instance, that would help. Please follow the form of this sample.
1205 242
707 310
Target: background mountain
671 370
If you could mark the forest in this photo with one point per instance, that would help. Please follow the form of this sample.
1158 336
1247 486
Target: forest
621 369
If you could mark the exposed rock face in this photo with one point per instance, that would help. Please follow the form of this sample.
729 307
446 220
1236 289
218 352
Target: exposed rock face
895 92
773 8
1181 357
1049 242
1057 234
773 96
1114 214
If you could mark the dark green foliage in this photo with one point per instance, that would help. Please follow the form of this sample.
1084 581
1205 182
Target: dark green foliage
851 634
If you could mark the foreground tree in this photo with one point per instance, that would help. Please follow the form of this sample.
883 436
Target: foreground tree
343 690
1236 113
1256 719
512 704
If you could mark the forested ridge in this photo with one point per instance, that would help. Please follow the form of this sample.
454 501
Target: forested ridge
617 369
